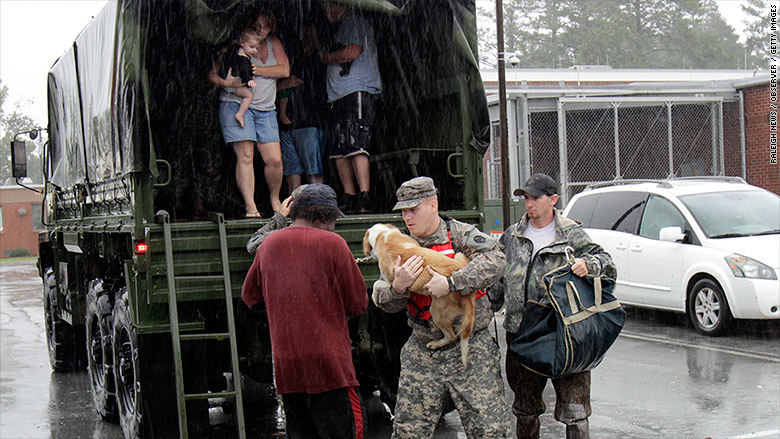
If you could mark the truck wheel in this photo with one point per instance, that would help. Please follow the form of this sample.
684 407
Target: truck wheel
100 358
145 384
707 308
126 369
59 334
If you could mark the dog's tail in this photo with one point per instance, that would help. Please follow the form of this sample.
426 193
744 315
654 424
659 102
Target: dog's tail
467 326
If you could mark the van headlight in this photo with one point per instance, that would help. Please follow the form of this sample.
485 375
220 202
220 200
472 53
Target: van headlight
743 266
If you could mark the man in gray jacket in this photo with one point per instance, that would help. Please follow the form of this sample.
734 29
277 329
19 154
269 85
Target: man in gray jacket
533 247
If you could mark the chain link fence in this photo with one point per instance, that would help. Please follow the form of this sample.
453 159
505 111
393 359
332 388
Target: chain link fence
597 139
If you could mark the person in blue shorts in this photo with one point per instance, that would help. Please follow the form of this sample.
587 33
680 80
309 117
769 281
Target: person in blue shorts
260 128
303 140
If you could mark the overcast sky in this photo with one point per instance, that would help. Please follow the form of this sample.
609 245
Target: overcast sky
34 33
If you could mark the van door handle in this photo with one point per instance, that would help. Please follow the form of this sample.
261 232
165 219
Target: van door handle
636 248
620 246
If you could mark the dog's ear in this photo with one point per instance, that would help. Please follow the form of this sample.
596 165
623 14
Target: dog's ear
366 244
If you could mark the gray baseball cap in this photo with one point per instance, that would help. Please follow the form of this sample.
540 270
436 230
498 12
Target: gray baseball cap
413 192
537 185
317 194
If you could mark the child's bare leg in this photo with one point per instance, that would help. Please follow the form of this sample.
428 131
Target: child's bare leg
246 98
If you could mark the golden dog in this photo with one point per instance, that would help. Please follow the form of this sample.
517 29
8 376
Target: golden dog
385 242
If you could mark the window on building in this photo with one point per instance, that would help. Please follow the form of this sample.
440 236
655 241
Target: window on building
36 217
1 218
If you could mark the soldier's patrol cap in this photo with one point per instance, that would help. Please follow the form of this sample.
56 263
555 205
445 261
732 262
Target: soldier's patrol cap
538 185
413 192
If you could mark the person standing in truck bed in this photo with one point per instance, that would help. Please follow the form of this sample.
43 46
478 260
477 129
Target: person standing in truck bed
353 84
260 128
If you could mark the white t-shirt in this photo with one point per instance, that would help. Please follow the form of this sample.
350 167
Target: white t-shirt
540 237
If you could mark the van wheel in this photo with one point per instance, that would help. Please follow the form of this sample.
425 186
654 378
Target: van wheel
59 334
707 308
100 357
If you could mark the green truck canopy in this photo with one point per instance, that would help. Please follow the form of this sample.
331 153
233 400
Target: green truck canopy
133 91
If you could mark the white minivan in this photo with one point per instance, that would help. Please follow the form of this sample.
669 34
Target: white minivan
708 246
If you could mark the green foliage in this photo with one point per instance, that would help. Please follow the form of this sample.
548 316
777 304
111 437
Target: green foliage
12 122
17 252
619 33
757 30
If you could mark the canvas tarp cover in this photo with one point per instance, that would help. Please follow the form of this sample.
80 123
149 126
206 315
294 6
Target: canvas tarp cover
133 88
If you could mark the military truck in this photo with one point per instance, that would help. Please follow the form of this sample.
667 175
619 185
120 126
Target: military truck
144 253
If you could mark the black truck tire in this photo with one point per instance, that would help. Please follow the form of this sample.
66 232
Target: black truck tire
59 334
145 383
126 368
100 357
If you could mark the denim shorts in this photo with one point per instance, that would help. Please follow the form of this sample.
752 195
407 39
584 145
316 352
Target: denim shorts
302 150
259 126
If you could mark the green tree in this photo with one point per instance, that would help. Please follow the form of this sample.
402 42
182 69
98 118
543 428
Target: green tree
620 33
11 123
757 30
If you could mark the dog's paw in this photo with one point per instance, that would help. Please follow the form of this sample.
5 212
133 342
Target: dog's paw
381 283
437 344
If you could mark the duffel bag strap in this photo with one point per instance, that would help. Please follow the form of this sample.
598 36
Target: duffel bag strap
574 298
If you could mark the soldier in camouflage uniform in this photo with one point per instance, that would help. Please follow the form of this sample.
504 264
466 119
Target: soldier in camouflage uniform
429 376
533 247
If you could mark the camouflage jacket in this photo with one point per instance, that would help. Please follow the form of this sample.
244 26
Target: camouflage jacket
487 264
523 276
278 221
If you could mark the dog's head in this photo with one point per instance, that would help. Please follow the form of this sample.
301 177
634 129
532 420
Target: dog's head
372 234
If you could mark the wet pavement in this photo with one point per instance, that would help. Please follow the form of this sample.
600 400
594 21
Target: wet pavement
660 380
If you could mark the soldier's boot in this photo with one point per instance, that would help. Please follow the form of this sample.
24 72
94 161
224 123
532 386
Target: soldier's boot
578 430
528 427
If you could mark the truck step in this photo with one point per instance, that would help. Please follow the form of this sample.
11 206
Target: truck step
206 336
207 277
195 396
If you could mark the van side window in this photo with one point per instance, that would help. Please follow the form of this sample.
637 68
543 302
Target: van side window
582 210
619 211
660 213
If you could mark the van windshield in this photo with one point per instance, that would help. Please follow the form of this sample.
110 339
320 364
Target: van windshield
733 214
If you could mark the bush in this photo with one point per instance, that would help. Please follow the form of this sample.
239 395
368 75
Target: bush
17 252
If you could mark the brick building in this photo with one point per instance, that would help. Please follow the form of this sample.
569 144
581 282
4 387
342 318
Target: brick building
20 219
760 169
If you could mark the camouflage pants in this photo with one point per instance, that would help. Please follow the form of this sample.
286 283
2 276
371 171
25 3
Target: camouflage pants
428 376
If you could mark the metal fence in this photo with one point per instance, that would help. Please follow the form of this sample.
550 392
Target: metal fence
596 139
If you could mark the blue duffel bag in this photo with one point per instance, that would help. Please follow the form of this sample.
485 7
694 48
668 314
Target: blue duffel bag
572 328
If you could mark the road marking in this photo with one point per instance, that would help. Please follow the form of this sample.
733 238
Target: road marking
765 357
768 433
